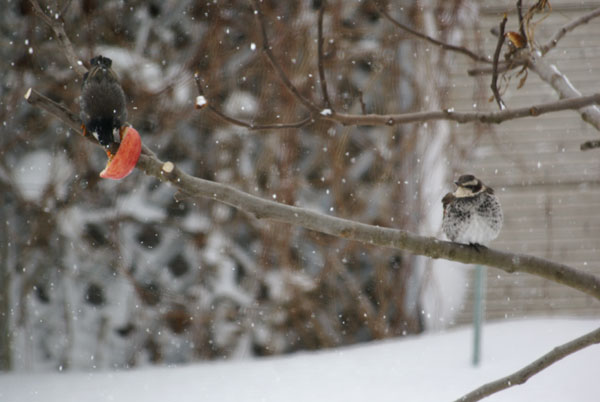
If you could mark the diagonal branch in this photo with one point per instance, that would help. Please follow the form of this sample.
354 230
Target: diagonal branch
250 126
348 229
443 45
61 35
278 69
494 84
521 22
320 57
521 376
558 35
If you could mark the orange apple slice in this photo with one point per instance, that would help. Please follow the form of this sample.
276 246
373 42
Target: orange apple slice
122 163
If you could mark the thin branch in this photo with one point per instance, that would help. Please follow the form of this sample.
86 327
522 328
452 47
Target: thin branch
59 32
584 19
521 22
361 100
351 230
320 57
521 376
250 126
589 145
503 66
443 45
494 84
271 57
464 117
65 7
403 118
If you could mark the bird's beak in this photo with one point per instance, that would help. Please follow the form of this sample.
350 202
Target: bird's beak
457 183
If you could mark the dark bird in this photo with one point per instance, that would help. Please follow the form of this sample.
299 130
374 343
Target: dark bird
472 214
103 110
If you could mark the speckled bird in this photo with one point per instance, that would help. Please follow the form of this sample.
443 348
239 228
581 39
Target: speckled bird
472 214
103 110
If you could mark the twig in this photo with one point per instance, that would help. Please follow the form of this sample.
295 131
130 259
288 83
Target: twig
494 84
464 117
443 45
589 145
521 376
344 228
403 118
250 126
320 57
62 37
361 100
521 22
282 75
584 19
502 67
65 7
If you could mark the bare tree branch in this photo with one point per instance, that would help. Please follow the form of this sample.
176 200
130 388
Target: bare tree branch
521 22
443 45
320 57
521 376
590 145
494 84
561 84
464 117
344 228
403 118
584 19
271 57
62 37
65 7
250 126
503 66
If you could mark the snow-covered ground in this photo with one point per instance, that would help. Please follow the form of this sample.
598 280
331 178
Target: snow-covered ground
433 367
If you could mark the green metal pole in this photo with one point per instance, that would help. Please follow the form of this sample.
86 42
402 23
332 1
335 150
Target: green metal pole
478 312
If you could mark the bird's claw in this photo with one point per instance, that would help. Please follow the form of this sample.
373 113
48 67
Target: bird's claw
478 247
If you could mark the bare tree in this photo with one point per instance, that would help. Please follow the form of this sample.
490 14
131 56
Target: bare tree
522 53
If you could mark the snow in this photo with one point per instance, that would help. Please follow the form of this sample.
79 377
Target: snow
200 101
37 170
432 367
241 104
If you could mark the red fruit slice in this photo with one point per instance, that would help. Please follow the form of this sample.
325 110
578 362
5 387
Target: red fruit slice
123 162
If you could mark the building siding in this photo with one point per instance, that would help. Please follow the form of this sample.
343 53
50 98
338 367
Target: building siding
549 189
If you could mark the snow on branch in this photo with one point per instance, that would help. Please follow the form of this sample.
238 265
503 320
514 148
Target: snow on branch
563 87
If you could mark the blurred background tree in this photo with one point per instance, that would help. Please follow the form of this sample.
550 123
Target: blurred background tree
95 273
